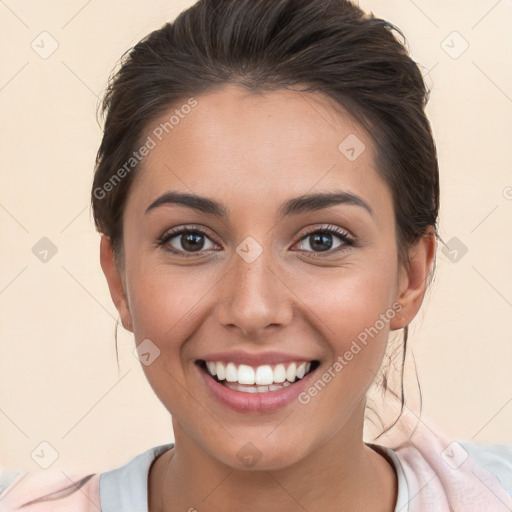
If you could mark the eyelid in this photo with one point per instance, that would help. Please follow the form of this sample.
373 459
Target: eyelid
326 227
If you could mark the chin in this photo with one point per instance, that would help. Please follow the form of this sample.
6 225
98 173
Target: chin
260 453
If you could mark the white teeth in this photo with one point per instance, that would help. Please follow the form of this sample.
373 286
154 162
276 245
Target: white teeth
279 373
241 387
221 371
263 378
246 374
256 389
291 372
231 373
212 367
264 375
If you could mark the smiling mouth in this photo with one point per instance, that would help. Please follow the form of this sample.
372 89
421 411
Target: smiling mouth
260 379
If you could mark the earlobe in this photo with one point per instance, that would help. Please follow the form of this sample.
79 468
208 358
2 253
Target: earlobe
414 280
115 282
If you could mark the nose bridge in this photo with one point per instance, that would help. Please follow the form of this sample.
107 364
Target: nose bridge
253 298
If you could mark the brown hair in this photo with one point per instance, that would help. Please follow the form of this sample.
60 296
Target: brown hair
330 46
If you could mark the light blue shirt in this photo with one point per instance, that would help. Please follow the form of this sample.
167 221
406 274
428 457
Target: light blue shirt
125 489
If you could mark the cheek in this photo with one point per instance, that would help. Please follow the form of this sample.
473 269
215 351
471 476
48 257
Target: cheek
353 313
165 308
163 302
347 303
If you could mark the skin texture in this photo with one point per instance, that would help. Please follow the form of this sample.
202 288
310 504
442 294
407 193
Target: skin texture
252 153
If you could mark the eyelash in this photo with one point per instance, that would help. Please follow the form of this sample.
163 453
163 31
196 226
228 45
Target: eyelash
329 229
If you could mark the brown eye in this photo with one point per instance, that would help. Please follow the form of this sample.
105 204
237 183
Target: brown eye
186 240
320 241
323 240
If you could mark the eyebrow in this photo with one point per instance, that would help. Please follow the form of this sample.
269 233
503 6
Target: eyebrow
302 204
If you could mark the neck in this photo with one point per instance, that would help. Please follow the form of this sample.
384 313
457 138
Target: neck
341 475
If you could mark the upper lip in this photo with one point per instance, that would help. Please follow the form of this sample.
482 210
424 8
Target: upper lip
241 357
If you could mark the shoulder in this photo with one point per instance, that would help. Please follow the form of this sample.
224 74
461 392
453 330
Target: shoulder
52 490
48 490
494 458
463 474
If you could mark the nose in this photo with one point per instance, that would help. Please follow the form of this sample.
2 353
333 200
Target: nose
254 297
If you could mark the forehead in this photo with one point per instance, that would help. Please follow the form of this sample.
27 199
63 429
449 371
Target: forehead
235 143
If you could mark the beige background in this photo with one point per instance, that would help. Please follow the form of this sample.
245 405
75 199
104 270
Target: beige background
59 381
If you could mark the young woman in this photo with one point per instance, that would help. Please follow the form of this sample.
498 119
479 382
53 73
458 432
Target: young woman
267 192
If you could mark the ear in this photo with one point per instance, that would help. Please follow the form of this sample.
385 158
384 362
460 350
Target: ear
413 281
115 282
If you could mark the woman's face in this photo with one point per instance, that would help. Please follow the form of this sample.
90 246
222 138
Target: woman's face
262 286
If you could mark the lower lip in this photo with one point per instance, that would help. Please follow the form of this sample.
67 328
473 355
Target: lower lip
269 401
